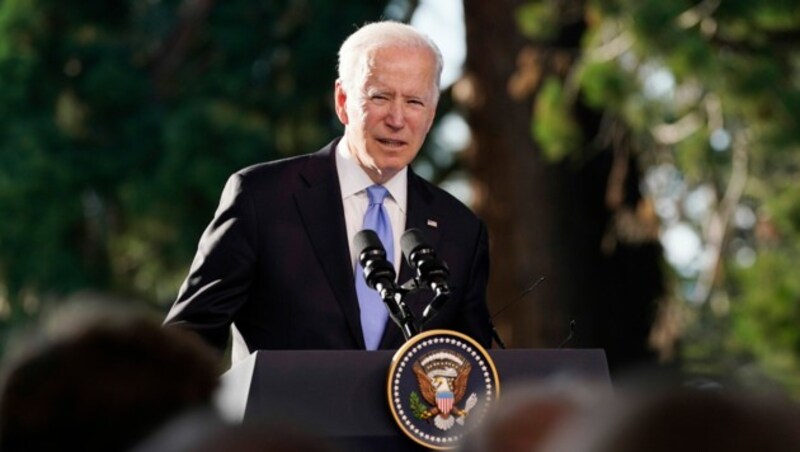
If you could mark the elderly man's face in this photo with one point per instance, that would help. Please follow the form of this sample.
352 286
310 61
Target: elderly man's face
387 120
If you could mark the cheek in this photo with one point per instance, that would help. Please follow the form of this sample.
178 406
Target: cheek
428 122
422 127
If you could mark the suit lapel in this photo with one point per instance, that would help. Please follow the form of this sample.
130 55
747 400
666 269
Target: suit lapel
420 215
320 207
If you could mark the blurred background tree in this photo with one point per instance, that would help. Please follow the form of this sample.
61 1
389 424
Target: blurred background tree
639 155
648 123
558 186
121 121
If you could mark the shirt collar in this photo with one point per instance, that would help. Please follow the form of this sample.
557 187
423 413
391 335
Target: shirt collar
353 179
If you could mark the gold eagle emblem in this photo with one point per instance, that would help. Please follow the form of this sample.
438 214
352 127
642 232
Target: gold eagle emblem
442 376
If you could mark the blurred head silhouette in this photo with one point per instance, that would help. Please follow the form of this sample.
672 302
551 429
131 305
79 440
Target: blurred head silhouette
92 379
686 420
527 414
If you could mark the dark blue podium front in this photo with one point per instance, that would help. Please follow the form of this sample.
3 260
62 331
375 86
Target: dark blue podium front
341 395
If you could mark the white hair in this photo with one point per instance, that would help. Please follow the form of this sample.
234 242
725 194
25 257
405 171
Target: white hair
358 47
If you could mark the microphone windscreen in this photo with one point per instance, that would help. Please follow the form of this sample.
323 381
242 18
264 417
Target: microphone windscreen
367 239
411 240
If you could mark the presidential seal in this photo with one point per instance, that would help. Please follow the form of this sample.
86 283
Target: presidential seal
441 384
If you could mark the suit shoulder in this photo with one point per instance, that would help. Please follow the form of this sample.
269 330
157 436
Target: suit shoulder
272 168
287 173
449 203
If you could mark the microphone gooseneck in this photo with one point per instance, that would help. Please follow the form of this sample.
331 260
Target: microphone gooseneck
519 297
495 334
571 334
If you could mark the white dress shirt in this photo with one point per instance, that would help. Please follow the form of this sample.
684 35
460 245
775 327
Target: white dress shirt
353 182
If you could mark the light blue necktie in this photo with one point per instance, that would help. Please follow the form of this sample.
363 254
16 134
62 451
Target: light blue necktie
373 311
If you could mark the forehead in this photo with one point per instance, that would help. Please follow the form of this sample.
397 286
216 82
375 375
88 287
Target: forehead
387 54
401 66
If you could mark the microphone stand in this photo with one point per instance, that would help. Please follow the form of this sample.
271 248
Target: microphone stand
441 297
399 311
496 336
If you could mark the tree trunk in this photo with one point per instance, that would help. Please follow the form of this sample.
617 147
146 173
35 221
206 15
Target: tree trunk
550 219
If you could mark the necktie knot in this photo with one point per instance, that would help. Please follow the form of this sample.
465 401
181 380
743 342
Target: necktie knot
377 193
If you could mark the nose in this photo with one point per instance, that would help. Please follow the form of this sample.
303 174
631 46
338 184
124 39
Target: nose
395 117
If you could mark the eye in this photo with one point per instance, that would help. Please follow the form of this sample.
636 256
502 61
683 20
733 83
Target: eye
416 102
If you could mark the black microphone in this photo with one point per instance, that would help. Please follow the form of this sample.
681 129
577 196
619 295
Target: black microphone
430 271
378 272
379 275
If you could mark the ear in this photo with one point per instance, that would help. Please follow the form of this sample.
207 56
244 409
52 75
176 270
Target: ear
340 100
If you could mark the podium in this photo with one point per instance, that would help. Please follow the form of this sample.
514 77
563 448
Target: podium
341 395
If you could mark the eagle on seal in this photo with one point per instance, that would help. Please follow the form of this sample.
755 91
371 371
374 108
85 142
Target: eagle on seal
440 394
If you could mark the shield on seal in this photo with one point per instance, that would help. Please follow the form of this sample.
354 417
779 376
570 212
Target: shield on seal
444 400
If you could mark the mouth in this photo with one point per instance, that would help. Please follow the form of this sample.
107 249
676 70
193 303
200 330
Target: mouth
390 143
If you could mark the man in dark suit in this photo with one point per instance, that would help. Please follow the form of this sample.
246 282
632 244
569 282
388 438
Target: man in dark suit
277 265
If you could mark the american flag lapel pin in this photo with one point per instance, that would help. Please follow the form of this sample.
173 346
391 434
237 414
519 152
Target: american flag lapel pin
433 223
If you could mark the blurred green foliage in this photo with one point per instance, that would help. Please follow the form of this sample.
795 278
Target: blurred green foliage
711 89
538 20
553 124
120 121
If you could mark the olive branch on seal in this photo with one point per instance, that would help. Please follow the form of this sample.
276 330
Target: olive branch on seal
416 405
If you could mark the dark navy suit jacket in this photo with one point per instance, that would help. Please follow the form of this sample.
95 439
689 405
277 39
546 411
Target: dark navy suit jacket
275 262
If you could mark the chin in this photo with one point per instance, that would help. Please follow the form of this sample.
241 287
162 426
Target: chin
392 168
